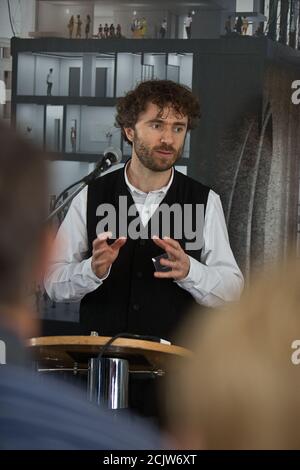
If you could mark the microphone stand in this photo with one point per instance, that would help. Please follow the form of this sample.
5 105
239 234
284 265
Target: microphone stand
66 201
100 167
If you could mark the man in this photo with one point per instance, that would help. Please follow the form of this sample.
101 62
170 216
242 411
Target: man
116 280
73 138
79 24
37 414
49 82
163 29
188 25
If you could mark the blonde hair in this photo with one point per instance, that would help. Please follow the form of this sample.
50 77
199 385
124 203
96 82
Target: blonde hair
241 390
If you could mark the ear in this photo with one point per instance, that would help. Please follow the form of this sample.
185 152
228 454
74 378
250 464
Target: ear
129 133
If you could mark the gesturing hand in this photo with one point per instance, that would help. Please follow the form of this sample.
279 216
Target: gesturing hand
178 259
103 254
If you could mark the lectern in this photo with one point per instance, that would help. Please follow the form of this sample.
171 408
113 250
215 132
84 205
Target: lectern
107 383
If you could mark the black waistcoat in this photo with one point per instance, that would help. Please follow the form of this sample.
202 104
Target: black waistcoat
131 299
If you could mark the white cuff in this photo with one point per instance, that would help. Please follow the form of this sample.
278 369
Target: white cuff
89 273
194 275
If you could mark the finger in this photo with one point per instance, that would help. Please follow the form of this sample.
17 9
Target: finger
118 243
104 235
159 242
172 253
101 239
174 243
166 262
167 275
100 251
167 242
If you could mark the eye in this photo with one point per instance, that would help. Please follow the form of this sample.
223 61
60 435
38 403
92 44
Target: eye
155 125
178 129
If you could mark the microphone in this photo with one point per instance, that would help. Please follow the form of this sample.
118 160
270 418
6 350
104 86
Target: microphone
112 156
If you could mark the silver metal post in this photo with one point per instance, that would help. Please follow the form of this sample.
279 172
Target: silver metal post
108 382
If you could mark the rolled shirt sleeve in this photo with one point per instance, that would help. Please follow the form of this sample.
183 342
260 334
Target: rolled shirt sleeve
216 278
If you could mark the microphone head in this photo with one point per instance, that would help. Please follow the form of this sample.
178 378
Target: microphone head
114 154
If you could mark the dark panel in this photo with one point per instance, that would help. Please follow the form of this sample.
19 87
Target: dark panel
74 81
101 82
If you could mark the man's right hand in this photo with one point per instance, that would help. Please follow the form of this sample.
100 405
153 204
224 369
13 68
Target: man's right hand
103 254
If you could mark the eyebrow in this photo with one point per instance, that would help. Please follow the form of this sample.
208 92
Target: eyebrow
177 123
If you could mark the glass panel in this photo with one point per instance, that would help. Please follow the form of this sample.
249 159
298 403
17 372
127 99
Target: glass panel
96 130
30 122
129 72
54 119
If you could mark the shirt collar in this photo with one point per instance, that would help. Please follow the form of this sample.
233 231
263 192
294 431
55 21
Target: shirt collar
132 188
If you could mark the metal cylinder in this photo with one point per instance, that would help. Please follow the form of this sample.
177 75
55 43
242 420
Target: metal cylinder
108 382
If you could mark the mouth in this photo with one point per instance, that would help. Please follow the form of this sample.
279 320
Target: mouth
164 152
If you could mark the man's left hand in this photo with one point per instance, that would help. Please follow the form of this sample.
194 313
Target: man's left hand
178 260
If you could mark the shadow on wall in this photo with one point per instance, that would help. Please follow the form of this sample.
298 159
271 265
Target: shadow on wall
258 176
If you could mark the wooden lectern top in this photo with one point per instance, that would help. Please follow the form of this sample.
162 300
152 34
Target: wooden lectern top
58 351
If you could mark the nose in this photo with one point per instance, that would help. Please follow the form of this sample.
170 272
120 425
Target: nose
167 137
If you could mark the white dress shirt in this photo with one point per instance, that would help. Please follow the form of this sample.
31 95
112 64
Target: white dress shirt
213 281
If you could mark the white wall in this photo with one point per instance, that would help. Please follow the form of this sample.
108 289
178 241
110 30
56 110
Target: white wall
244 5
23 13
55 18
160 68
62 174
129 72
159 62
30 115
137 69
125 73
173 59
53 113
186 70
95 122
26 76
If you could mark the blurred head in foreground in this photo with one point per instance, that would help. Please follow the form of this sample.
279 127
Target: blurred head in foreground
241 390
23 200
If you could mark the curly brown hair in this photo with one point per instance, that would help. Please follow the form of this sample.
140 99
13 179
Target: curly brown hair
163 93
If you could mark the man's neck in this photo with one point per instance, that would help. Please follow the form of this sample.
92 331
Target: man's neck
144 179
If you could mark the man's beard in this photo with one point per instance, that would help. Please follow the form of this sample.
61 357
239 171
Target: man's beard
151 160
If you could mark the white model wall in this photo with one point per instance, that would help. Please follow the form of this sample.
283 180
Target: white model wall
159 63
186 70
26 74
53 113
125 73
23 12
62 174
95 123
55 17
30 115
